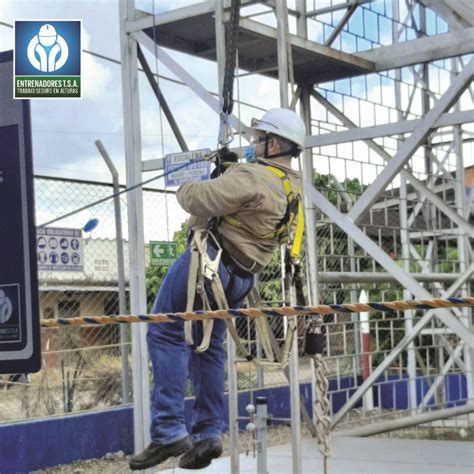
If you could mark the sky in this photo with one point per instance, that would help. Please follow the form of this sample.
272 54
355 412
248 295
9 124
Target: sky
64 131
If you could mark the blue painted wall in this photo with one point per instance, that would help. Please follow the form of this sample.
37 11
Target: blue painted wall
32 445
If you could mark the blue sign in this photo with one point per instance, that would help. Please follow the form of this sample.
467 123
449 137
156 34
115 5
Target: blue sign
57 254
187 166
19 308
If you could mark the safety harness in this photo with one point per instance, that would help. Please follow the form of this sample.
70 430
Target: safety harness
294 209
203 268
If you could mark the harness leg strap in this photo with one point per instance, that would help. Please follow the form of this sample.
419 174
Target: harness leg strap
196 285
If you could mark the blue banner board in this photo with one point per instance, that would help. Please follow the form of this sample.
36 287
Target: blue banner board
19 310
187 166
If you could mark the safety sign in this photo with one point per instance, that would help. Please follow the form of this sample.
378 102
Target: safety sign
60 249
20 348
163 253
189 166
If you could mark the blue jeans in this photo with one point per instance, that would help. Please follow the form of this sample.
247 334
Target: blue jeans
171 357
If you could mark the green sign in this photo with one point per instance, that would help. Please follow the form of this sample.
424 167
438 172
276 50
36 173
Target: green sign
163 253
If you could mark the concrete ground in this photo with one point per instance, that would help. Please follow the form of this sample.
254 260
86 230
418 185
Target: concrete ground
360 455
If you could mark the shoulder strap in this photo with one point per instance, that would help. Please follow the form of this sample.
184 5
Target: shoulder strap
294 208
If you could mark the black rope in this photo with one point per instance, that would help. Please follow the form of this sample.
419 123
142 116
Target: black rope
232 35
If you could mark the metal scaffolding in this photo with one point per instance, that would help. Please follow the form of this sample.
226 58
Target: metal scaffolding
385 91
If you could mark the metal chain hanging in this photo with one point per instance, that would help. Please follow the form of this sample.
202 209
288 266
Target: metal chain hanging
321 408
232 35
314 345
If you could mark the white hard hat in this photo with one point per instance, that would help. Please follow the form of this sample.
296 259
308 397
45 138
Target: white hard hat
282 122
47 35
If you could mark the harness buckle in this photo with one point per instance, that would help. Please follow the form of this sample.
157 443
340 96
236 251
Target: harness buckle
209 266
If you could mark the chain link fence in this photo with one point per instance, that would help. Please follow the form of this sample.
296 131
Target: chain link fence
84 368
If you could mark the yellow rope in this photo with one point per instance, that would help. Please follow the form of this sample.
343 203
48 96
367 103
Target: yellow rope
390 306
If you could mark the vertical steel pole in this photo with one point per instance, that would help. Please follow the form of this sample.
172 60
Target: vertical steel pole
309 207
261 434
120 270
310 218
462 244
231 348
282 40
282 21
355 318
308 180
409 315
405 236
132 135
260 372
368 397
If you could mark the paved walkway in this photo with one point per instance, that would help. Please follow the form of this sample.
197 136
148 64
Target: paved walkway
362 455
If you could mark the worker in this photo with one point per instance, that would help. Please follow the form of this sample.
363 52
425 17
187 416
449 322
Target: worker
250 206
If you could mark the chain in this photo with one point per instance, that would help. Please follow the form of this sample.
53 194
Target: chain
321 402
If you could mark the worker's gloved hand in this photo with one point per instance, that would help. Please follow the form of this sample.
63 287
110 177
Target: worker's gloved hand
225 155
224 158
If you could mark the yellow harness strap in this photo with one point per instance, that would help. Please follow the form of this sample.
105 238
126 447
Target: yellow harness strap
294 209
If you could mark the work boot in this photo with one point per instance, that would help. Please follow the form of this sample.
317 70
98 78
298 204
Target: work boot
201 454
155 454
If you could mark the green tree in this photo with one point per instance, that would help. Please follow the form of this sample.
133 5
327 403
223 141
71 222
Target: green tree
269 281
325 184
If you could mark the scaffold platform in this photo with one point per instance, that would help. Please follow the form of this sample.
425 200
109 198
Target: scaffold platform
191 30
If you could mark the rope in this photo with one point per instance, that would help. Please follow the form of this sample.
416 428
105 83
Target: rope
226 314
227 100
232 35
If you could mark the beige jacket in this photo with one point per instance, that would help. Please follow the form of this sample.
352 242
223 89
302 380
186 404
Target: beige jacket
254 196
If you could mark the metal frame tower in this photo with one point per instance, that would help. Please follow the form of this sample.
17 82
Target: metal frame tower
300 63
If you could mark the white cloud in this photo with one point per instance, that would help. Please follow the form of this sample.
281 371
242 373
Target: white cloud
96 74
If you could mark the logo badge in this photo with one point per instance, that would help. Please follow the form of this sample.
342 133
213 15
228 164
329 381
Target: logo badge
47 59
5 307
